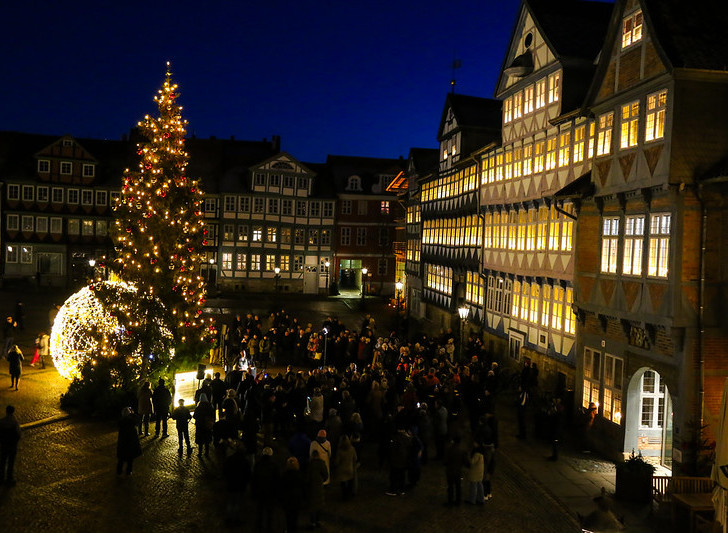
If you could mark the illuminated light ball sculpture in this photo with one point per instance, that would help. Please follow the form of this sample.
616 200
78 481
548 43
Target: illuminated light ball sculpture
83 330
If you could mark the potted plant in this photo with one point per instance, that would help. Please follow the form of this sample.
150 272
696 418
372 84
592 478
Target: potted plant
634 479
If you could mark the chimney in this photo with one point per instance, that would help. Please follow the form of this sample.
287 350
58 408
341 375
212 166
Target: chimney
276 143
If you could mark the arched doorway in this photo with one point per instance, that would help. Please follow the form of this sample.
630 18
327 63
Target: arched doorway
648 424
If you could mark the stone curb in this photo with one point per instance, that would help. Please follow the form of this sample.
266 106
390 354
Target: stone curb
45 421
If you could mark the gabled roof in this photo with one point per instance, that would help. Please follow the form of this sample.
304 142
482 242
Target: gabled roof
369 169
691 34
472 113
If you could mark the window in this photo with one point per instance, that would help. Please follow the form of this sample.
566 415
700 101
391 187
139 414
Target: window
287 207
100 198
517 162
610 240
28 193
227 261
545 304
242 233
66 167
538 157
315 209
634 231
346 207
300 208
273 206
507 112
74 226
474 289
516 302
345 236
528 100
210 205
285 263
384 207
257 233
302 183
115 196
13 223
659 245
289 182
554 87
87 228
41 225
540 93
579 144
275 180
313 237
285 235
230 203
557 306
527 159
325 237
44 166
535 295
361 207
592 377
88 170
361 236
551 145
244 204
632 29
270 262
241 261
655 119
353 183
382 267
42 194
254 261
11 254
652 395
525 300
13 192
438 278
564 148
590 146
258 206
569 316
613 382
328 209
56 225
383 236
604 135
101 228
518 105
300 236
87 197
26 255
27 223
228 232
630 125
259 179
298 262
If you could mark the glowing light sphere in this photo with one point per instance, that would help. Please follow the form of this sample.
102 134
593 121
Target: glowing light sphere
84 330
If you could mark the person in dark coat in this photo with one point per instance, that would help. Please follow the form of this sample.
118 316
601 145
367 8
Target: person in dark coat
15 365
237 477
9 437
204 421
162 400
219 390
182 416
455 460
317 475
265 490
292 493
127 444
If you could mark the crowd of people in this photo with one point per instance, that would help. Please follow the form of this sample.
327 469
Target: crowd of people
290 435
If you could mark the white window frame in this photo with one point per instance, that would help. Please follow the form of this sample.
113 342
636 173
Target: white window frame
230 203
604 133
27 223
87 228
13 191
87 197
44 166
634 238
66 168
89 170
630 125
28 193
13 222
632 28
73 196
659 245
655 117
345 236
56 225
41 225
101 198
42 194
610 245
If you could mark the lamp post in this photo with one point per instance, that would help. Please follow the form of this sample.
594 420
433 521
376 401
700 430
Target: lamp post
363 285
277 270
91 265
399 286
327 265
209 270
463 311
325 331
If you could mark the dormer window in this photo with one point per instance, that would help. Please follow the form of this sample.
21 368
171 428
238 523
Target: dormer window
353 184
67 142
632 29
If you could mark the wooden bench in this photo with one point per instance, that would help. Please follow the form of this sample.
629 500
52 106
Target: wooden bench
663 487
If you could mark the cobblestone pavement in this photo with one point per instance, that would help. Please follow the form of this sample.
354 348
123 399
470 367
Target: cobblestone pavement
66 482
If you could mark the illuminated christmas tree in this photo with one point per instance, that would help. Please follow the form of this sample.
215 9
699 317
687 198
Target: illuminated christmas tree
158 237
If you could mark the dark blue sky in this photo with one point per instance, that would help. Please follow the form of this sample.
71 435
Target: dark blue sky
348 78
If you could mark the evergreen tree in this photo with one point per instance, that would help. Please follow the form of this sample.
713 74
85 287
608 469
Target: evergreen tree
158 237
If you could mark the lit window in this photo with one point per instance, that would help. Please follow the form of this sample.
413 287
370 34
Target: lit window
516 301
313 237
652 396
528 100
241 261
517 162
655 119
285 263
507 111
540 93
592 377
554 86
545 304
564 148
272 234
254 261
538 157
610 240
242 233
630 125
101 228
270 262
285 235
604 136
299 237
227 261
551 145
257 233
569 317
87 228
613 384
298 262
535 301
517 105
659 245
590 146
527 160
579 144
634 230
632 29
384 207
508 167
554 229
567 228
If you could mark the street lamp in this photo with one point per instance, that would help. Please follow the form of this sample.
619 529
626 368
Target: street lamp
209 270
463 311
327 265
277 270
399 286
363 284
325 331
92 263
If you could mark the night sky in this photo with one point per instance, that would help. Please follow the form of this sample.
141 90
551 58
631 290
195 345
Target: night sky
346 78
